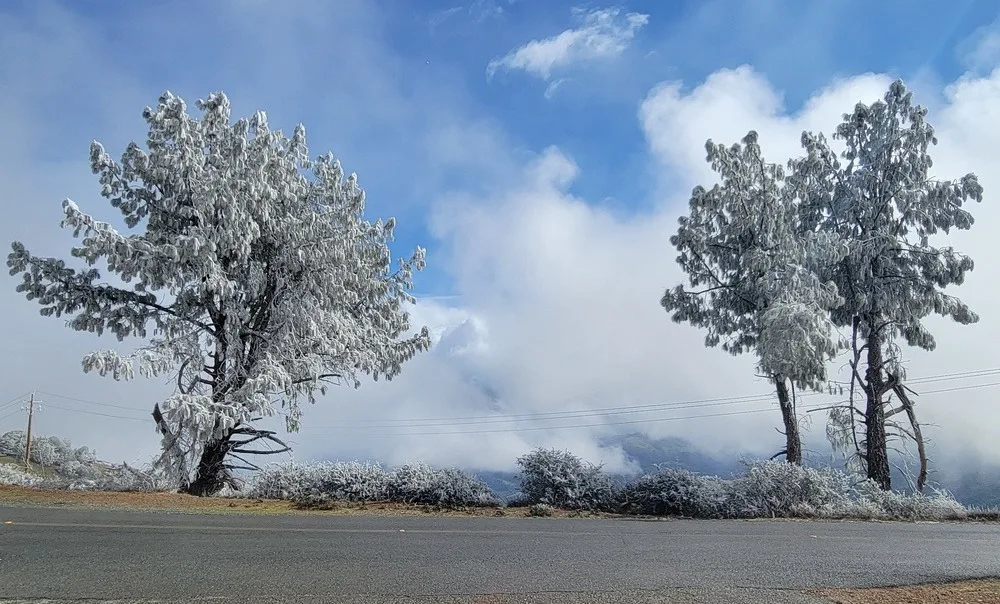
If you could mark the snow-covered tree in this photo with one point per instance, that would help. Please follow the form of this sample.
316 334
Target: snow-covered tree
752 274
248 270
885 204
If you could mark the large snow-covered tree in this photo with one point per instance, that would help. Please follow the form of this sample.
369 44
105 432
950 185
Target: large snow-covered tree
249 271
885 204
753 275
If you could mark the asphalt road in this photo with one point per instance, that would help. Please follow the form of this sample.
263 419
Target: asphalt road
70 554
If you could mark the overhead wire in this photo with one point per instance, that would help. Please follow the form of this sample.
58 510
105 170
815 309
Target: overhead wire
444 422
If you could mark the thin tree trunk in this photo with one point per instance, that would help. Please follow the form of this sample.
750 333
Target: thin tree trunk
917 434
793 443
876 446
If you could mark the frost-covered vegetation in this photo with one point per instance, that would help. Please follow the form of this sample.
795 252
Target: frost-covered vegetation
776 255
14 476
254 281
63 466
354 482
552 480
563 480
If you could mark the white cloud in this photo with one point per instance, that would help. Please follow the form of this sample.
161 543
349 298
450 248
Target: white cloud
980 52
602 34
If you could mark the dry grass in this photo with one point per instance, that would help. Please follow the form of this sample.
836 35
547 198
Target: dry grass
986 591
176 502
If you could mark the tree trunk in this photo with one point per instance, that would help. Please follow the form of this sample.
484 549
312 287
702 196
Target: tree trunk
876 446
918 436
793 443
212 473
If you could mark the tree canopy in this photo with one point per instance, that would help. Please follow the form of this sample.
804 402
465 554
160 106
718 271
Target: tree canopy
247 268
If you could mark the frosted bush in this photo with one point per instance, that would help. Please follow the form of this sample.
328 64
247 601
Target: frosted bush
675 492
873 502
348 481
781 489
561 479
776 489
540 510
359 481
123 478
54 453
419 483
11 476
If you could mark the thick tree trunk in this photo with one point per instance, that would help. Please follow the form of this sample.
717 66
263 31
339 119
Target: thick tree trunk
212 473
793 442
876 446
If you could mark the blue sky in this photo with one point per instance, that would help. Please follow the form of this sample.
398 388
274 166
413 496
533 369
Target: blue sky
545 187
365 77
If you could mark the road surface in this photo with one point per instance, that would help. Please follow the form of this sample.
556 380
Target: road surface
70 554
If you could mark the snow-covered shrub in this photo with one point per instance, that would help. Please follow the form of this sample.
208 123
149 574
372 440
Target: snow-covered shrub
12 476
779 489
449 487
12 443
873 502
674 492
123 478
540 510
345 481
563 480
53 453
358 481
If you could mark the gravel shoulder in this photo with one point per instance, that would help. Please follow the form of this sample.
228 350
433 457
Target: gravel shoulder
964 592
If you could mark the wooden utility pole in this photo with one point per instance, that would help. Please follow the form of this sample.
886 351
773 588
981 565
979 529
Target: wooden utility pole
27 445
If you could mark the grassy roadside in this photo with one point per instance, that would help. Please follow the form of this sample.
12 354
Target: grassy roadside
985 591
179 503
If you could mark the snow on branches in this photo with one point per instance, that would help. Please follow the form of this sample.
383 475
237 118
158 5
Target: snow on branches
250 272
751 268
884 203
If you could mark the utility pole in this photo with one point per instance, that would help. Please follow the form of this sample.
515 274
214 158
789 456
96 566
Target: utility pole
27 445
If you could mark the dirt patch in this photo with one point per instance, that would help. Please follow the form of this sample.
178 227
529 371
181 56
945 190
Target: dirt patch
177 502
985 591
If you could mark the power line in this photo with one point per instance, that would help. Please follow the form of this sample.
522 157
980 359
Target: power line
404 423
70 409
12 401
652 420
11 414
942 376
607 411
80 400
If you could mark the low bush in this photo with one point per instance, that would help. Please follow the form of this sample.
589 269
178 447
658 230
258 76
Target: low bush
563 480
873 502
356 481
674 492
419 483
776 489
123 479
540 510
13 476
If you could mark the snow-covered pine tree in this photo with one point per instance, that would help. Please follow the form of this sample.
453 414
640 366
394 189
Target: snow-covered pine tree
250 273
752 273
883 202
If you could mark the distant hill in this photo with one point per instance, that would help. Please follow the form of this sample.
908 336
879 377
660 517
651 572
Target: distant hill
674 452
